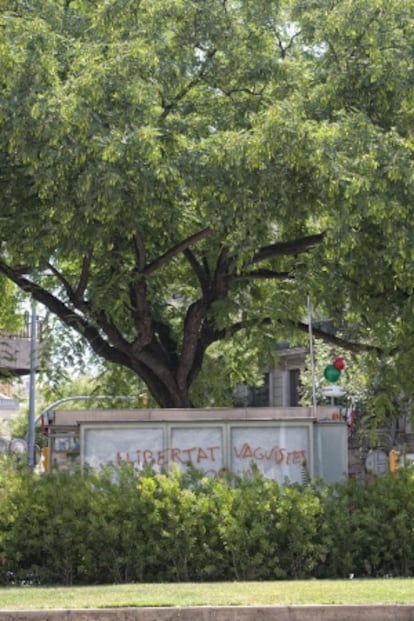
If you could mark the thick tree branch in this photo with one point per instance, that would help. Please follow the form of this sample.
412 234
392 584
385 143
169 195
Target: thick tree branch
72 319
143 315
199 271
82 305
84 276
162 386
356 347
263 275
66 284
167 342
337 340
138 296
223 274
287 248
196 325
195 317
139 249
175 250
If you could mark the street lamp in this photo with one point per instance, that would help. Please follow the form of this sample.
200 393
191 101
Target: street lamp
32 389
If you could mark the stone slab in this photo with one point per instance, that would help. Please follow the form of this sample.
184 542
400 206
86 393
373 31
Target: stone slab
221 613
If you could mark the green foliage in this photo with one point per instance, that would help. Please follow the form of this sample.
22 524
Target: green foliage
269 529
162 163
368 528
120 525
11 316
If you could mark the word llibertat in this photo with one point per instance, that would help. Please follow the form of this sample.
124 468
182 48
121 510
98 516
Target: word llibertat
198 455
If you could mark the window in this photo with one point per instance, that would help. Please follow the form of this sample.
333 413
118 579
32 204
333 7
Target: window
260 395
294 387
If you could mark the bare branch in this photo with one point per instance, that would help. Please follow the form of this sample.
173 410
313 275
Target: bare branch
167 107
285 48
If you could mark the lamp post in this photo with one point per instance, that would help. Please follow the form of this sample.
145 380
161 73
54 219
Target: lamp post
312 356
32 389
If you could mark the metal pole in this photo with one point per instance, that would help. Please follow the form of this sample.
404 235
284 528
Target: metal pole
312 356
50 407
32 390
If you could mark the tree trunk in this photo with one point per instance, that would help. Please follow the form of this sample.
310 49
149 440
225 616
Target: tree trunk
163 387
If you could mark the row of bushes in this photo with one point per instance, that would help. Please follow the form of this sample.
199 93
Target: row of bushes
120 526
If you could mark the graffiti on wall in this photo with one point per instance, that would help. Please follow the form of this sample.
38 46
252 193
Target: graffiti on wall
279 451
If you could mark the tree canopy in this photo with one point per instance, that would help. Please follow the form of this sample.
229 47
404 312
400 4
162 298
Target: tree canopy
176 175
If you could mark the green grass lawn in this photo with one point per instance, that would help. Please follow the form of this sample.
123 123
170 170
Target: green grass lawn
391 591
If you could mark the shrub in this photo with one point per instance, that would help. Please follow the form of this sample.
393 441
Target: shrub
120 525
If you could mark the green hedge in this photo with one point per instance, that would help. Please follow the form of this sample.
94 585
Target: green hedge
124 526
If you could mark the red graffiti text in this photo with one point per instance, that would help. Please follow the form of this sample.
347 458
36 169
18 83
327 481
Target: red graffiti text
195 455
275 454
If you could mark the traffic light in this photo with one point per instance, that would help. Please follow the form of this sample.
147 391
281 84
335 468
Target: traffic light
44 459
393 460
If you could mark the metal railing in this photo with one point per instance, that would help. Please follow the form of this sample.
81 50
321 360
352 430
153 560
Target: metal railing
25 330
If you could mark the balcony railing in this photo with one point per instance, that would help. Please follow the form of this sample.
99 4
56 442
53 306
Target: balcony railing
15 348
25 330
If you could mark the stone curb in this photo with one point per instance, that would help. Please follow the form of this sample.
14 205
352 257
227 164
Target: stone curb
221 613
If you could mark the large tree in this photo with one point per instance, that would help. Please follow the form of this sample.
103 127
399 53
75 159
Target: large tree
176 174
